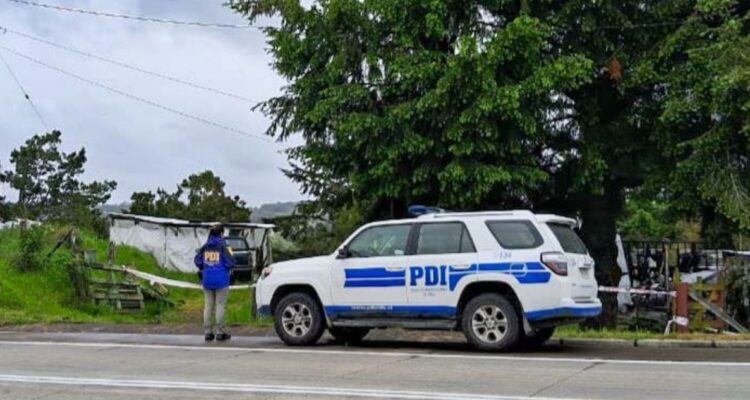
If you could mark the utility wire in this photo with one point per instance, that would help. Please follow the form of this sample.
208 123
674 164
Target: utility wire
140 99
133 17
25 94
128 66
219 25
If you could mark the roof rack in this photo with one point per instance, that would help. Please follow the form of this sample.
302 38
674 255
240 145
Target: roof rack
476 214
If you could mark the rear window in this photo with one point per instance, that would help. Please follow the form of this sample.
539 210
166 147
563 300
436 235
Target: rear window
515 234
568 239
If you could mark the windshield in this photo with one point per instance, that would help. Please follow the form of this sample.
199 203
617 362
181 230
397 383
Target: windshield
237 243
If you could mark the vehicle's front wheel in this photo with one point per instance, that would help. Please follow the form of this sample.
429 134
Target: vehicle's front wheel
348 335
491 323
298 320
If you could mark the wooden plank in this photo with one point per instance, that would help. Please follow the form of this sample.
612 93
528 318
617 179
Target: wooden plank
718 312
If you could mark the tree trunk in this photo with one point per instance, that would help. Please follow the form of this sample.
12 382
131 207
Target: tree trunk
598 231
716 229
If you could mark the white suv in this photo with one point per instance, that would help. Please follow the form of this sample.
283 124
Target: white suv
503 278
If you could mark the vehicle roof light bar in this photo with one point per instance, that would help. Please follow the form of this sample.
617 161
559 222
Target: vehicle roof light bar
417 210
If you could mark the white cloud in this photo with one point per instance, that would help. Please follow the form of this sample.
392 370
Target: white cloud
139 146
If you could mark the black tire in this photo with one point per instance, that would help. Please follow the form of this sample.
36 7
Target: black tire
537 338
304 331
502 326
348 335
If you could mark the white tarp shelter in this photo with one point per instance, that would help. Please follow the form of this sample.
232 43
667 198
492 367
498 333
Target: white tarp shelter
173 242
18 222
623 298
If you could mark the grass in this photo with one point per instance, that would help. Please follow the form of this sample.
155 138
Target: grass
576 332
47 296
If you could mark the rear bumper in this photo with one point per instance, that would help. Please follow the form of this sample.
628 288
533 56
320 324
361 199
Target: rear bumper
567 309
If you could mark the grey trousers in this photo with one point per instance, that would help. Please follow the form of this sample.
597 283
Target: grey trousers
214 299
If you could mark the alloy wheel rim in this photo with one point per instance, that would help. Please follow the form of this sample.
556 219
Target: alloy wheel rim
296 319
489 324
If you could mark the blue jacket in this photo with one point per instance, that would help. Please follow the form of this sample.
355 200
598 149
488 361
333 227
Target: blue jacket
215 262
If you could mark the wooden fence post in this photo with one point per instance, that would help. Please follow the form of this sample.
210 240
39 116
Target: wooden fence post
681 306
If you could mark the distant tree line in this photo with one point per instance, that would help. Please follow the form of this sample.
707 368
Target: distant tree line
49 186
200 197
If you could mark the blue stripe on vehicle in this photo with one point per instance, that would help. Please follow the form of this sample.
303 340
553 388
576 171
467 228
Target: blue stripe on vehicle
535 266
447 311
364 283
532 277
374 273
582 312
264 310
435 311
526 273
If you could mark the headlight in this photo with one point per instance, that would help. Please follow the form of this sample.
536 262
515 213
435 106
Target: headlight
265 272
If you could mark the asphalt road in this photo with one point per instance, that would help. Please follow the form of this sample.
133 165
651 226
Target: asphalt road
117 366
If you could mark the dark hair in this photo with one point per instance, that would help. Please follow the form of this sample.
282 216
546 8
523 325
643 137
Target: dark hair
216 231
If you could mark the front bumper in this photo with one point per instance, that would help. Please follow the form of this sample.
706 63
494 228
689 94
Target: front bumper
262 300
264 310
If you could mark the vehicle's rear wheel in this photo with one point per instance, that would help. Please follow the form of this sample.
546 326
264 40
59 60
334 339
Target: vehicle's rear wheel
537 338
298 320
348 335
491 323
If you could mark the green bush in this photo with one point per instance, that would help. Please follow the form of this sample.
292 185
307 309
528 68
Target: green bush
738 294
30 257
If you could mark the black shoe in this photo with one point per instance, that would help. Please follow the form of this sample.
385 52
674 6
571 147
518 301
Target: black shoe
209 337
223 337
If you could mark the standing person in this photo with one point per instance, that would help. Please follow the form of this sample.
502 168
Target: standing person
215 262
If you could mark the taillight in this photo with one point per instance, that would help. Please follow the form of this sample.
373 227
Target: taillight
557 262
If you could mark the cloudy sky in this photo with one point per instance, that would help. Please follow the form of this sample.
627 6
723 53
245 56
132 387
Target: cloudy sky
140 146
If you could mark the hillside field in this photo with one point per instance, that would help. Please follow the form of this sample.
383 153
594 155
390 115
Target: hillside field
47 295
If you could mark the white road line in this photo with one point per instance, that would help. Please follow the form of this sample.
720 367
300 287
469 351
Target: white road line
358 353
251 388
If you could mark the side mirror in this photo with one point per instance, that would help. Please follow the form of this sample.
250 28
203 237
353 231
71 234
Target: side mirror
343 253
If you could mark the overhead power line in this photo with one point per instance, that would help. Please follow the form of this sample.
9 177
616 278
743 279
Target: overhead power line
128 66
221 25
25 94
133 17
140 99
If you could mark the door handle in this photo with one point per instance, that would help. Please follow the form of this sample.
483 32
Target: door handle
461 266
395 269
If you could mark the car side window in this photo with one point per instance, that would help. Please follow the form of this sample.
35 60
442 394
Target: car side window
444 238
515 234
380 241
